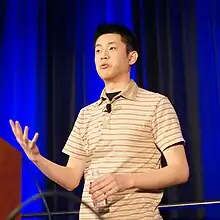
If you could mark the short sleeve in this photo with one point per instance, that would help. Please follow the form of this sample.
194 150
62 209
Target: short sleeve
75 146
165 125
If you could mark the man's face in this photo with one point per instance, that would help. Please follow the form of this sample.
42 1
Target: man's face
111 58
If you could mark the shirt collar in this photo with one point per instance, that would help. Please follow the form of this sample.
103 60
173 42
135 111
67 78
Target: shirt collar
129 92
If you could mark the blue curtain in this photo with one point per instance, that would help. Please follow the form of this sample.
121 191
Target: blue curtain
47 75
23 78
208 63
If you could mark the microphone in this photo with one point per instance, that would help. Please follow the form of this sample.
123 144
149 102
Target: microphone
108 108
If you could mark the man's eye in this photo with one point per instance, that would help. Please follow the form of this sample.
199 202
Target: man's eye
112 48
98 51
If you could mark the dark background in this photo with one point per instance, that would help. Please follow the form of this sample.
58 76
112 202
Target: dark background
47 66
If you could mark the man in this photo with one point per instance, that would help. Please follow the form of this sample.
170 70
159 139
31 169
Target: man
121 136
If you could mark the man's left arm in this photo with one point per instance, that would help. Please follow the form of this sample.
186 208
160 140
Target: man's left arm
168 137
176 172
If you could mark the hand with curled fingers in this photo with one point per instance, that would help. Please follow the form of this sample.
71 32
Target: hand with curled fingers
109 185
29 146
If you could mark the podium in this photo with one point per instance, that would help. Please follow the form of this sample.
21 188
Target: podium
10 179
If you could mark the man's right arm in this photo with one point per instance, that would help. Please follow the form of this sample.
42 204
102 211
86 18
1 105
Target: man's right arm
68 176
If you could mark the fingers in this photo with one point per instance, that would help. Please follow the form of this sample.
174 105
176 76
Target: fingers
105 192
18 129
108 193
25 135
100 198
34 140
22 137
99 184
12 127
103 188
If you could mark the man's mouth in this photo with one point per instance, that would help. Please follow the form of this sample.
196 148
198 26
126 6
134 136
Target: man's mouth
104 66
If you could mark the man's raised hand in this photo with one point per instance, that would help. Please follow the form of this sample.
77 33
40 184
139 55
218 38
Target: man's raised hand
29 146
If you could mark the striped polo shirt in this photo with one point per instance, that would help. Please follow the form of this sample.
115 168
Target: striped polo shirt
129 139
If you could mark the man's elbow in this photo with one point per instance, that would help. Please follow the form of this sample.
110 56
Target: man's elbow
71 186
183 175
70 189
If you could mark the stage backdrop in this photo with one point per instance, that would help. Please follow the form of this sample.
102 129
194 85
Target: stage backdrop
47 75
23 80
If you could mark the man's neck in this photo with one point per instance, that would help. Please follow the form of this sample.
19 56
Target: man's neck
115 86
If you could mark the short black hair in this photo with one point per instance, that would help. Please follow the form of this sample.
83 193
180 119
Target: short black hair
126 35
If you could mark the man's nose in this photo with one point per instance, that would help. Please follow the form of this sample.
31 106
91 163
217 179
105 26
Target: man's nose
105 57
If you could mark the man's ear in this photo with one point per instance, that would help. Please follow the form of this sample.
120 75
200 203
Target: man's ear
132 56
